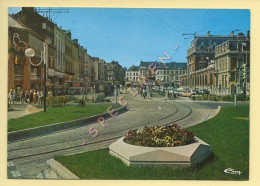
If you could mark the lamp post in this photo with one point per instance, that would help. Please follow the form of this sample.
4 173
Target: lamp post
29 52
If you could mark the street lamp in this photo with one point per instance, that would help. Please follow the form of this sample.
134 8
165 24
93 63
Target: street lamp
29 52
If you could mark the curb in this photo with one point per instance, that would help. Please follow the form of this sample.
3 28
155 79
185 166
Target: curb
60 170
32 132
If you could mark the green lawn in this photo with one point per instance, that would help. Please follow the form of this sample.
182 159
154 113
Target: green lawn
56 115
227 133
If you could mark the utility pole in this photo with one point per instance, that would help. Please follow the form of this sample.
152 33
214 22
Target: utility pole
45 76
235 89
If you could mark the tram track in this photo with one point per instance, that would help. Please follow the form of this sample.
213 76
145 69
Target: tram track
163 121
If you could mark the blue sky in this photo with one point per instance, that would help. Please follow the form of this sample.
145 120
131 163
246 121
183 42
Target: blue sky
131 35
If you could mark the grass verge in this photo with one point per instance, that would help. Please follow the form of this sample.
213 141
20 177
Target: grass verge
227 135
56 115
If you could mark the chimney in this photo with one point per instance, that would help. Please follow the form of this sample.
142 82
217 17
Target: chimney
68 33
76 40
248 34
232 33
28 9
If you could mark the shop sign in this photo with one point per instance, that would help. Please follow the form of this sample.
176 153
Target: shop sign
76 84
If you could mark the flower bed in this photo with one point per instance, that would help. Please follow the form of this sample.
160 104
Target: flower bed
160 136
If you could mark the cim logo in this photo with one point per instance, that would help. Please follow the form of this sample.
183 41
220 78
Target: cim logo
232 171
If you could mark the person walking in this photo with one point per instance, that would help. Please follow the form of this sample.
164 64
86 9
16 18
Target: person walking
39 96
141 92
14 96
171 94
42 96
144 93
34 97
27 93
10 96
22 96
18 98
31 97
166 94
148 93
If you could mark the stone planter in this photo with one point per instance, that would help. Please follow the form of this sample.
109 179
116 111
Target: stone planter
180 156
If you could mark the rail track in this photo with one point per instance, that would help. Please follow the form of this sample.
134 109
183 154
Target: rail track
66 146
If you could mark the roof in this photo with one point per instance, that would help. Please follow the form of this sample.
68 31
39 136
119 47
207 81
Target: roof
146 64
16 24
172 65
133 68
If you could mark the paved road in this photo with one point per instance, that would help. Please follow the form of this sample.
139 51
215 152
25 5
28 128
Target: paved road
30 155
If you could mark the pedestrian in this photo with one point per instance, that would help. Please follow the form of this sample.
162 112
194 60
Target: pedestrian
27 94
166 94
34 97
171 94
31 97
10 96
144 93
148 93
39 96
42 96
18 96
22 96
14 97
141 92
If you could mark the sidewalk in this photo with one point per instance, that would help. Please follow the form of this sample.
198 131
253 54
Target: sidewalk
20 110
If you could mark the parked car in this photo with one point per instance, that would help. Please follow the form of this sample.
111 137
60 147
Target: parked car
203 91
187 93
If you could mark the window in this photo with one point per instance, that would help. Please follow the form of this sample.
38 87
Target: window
18 70
34 71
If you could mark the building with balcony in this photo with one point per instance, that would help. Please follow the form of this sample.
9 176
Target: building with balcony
215 63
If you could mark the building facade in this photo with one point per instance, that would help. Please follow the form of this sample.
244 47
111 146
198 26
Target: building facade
45 29
132 74
69 62
115 73
59 59
169 73
162 73
215 63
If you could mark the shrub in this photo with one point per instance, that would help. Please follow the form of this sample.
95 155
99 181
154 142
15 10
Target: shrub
82 102
57 101
193 97
160 136
228 98
205 97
